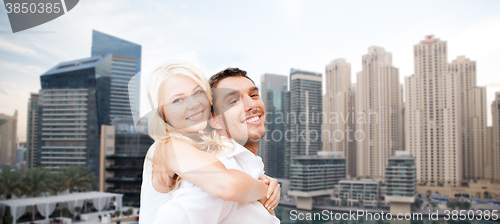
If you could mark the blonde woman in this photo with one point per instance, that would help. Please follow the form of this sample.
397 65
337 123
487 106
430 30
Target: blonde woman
182 98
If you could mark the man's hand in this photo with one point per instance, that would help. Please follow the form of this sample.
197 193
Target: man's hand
273 193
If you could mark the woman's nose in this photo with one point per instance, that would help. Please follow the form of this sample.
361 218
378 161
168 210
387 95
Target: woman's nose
192 102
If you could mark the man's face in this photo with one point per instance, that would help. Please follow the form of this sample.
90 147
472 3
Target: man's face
246 114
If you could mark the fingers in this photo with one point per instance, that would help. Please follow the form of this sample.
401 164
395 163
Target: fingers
267 183
274 199
273 183
262 177
271 211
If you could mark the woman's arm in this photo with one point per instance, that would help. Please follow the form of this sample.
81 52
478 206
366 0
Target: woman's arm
206 171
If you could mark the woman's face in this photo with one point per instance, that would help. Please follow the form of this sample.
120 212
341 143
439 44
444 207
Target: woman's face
184 103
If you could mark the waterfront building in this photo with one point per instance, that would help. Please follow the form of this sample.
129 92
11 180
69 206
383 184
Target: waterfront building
400 180
315 175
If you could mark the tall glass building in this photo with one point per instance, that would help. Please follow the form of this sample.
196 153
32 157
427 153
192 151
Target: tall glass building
73 103
126 62
306 119
272 147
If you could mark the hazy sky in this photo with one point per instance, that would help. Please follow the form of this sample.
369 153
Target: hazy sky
257 36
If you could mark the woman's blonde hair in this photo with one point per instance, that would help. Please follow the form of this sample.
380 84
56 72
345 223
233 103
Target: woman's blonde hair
162 131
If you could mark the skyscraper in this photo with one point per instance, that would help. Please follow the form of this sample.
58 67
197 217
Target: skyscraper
73 103
31 131
126 62
272 147
8 139
306 112
433 116
473 118
378 112
495 112
339 124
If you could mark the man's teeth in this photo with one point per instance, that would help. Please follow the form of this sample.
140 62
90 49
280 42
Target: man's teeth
195 116
253 119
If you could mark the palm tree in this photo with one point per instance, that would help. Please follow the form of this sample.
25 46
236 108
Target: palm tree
11 183
59 183
37 181
79 177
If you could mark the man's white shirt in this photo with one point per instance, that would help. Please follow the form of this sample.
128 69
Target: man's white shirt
191 204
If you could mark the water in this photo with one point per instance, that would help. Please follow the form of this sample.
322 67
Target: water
283 213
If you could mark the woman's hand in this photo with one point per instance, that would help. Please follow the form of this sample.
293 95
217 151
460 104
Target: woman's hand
273 193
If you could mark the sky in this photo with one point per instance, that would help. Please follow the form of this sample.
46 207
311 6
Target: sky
256 36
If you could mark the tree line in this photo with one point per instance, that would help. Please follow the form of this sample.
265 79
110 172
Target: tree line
39 181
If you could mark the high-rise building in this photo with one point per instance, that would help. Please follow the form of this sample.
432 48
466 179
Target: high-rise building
272 147
287 153
126 62
8 139
378 112
473 118
31 131
495 113
339 124
305 112
121 159
489 166
433 116
73 104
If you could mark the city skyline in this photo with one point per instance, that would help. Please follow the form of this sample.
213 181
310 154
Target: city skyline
303 36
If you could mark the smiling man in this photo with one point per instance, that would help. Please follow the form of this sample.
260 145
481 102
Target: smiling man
246 121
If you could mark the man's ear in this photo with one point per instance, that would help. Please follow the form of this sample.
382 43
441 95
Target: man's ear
216 122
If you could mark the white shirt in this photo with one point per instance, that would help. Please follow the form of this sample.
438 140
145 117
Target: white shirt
191 204
151 199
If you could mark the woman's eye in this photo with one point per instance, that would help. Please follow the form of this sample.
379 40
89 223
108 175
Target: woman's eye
177 100
198 92
233 102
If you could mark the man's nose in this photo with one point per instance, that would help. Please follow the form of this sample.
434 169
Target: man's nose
248 103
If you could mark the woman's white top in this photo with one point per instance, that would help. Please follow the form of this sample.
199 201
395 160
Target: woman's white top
192 205
151 200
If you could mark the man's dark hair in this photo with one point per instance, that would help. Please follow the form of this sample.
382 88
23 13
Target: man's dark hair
228 72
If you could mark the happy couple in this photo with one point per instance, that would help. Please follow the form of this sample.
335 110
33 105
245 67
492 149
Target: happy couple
203 166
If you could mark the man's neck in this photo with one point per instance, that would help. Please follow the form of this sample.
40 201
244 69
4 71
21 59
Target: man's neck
252 146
